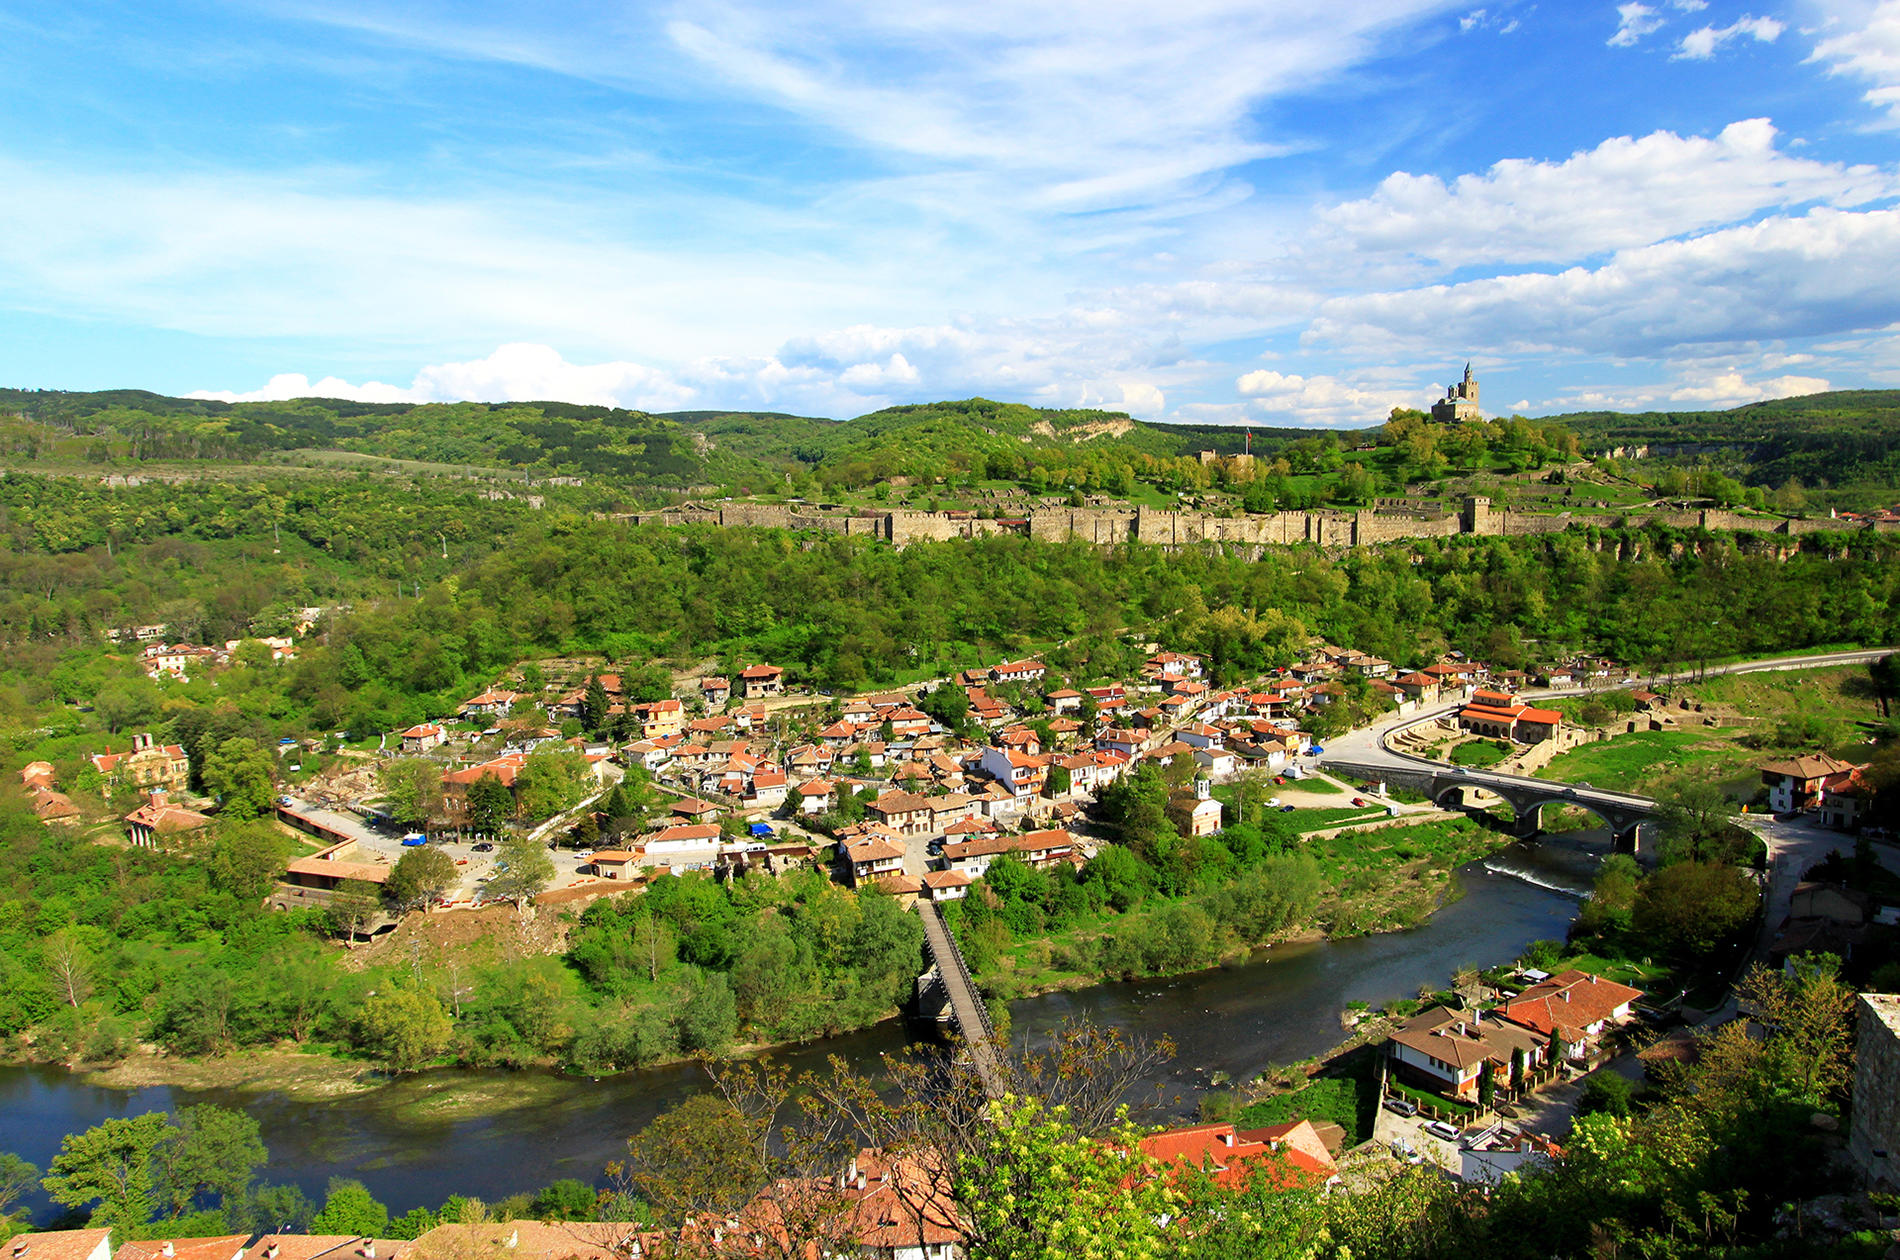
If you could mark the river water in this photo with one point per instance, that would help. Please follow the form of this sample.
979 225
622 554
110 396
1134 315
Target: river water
1280 1006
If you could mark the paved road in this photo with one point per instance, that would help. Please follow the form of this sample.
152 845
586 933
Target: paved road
1794 845
1368 746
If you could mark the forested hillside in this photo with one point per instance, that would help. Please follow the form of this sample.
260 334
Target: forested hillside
1847 439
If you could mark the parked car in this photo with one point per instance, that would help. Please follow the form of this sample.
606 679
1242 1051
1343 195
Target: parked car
1359 802
1286 809
1401 1106
1439 1129
1273 802
484 847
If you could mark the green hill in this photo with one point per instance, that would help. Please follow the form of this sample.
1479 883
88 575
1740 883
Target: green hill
1846 439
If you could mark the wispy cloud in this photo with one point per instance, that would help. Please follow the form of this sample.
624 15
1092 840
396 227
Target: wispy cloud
1865 44
1633 21
1702 43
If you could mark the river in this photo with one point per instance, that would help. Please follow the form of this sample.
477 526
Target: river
1282 1005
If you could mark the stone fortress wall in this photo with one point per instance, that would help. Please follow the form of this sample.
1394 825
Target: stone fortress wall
1324 528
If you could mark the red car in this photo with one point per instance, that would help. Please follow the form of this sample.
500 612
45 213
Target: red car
1359 801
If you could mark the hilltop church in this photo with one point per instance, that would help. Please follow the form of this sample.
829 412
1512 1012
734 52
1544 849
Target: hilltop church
1460 402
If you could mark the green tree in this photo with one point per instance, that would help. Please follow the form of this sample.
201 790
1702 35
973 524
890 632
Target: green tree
1692 907
1037 1189
406 1027
420 876
710 1017
594 704
489 805
112 1164
242 775
413 788
216 1151
553 778
17 1179
354 905
247 859
522 870
349 1208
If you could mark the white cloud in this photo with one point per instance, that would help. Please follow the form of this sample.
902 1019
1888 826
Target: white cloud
1625 192
1322 400
288 385
1702 43
1633 22
1821 273
1868 48
519 372
1692 385
1472 20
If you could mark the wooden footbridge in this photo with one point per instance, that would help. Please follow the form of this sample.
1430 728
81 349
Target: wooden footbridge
966 1009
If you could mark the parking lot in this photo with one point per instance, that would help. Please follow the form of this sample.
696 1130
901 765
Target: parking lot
474 859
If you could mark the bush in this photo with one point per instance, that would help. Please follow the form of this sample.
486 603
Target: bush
1606 1092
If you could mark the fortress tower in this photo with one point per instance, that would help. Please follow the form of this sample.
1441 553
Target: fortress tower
1460 402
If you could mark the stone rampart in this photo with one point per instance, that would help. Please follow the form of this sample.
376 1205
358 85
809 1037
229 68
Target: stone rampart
1328 528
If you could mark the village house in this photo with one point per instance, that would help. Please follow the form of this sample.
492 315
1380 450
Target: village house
312 880
421 739
714 692
60 1244
1448 1050
1283 1156
905 813
1018 672
660 718
868 858
817 797
1578 1007
1022 774
224 1247
756 681
1799 784
177 660
149 765
328 1247
616 863
1172 665
494 702
1218 764
158 824
1418 686
1064 701
1036 848
941 886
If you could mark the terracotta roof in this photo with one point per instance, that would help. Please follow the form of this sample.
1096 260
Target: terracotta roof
760 671
224 1247
1812 766
328 1247
948 879
1033 842
56 1244
337 870
533 1240
1570 1000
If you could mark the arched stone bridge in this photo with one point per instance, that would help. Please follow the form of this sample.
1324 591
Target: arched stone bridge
1452 786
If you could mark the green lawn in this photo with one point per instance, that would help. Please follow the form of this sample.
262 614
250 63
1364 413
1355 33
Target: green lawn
1481 753
1320 819
1631 763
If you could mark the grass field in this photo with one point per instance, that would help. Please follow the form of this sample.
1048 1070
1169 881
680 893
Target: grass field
1480 753
1631 763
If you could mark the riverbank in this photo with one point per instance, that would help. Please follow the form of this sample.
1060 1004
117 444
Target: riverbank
492 1133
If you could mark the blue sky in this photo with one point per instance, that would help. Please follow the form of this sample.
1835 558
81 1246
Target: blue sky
1256 211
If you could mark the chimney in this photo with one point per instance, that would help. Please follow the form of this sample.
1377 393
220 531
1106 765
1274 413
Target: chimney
270 1252
369 1249
514 1236
167 1250
156 798
1227 1138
